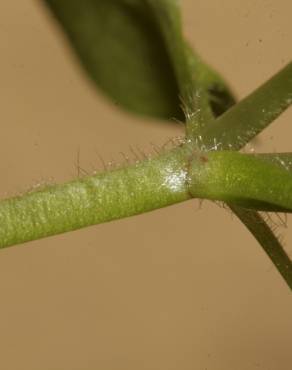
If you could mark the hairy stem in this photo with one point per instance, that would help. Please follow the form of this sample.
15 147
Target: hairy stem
246 180
264 235
124 192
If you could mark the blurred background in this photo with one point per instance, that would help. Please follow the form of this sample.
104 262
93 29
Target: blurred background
186 287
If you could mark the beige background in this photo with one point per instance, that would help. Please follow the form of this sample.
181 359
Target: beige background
176 289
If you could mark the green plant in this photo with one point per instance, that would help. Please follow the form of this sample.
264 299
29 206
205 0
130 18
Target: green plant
135 52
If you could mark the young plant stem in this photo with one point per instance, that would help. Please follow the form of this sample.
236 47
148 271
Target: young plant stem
264 235
123 192
242 122
172 177
241 179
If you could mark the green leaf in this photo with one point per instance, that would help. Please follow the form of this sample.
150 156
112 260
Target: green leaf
122 47
134 50
241 123
265 236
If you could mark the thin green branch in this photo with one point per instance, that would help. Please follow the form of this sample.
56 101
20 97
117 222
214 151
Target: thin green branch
264 235
242 122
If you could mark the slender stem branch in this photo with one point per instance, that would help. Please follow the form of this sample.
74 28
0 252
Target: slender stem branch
242 122
264 235
197 105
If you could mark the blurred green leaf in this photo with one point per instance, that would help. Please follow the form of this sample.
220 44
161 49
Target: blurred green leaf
134 50
121 45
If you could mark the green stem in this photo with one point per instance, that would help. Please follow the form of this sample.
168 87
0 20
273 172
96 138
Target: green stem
242 179
124 192
197 104
242 122
264 235
284 160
